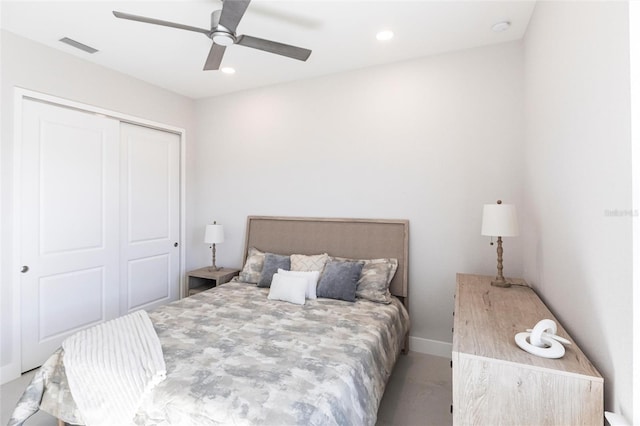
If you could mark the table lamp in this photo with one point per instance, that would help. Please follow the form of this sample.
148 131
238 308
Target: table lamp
499 220
214 234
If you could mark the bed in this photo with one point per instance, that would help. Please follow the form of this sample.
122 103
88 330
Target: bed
235 357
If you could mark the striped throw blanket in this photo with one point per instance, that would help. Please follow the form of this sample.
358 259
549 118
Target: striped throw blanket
112 366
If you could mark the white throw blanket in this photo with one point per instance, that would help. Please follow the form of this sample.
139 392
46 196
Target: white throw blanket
112 366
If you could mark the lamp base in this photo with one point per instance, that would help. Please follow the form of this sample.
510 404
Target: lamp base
213 266
500 283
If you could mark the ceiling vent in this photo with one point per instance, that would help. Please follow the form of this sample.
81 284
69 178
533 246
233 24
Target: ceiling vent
78 45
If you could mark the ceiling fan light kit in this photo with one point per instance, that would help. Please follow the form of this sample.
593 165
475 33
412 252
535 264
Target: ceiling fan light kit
223 34
222 38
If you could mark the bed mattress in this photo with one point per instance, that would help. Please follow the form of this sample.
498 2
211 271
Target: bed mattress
235 357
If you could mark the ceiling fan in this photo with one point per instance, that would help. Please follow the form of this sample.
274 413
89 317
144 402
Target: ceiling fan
223 33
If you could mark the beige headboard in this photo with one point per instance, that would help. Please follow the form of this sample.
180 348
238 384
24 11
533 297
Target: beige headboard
352 238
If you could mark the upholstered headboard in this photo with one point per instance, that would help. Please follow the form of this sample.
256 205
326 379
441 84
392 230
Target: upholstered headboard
352 238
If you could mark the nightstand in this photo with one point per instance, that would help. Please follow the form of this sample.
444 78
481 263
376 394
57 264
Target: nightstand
203 279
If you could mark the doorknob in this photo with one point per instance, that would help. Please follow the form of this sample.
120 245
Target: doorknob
175 244
24 269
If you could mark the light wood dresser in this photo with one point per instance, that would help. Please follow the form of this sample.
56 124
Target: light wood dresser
497 383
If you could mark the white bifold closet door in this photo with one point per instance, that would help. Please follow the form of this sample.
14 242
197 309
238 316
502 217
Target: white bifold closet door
99 220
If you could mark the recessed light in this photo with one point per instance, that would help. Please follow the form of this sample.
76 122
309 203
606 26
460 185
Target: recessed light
501 26
385 35
228 70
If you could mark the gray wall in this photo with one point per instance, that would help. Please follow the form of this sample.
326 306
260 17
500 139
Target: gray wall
578 170
428 140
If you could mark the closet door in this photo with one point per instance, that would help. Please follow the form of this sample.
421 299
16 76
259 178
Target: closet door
150 217
69 225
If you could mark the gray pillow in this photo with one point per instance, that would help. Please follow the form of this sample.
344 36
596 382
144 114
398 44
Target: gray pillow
253 266
271 264
339 280
375 279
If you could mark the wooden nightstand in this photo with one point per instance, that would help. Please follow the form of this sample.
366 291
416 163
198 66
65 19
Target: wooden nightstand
203 279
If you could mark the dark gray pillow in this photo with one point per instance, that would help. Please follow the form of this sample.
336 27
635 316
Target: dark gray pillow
339 280
271 264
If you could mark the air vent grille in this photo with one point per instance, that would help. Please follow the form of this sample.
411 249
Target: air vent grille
78 45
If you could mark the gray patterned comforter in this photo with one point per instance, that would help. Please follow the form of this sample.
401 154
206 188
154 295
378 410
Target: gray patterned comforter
235 357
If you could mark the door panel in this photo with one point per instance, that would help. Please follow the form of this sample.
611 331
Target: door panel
69 225
149 189
149 280
150 221
67 315
73 219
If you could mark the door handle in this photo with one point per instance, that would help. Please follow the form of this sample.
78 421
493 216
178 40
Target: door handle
175 244
24 269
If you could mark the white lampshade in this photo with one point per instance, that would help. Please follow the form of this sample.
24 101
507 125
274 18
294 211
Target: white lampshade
499 220
214 234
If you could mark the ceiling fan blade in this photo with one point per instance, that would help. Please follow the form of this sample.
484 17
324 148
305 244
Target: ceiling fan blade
274 47
232 12
144 19
215 57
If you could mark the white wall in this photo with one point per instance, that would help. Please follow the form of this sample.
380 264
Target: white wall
36 67
428 140
578 169
634 49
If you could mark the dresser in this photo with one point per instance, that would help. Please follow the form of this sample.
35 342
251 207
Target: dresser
497 383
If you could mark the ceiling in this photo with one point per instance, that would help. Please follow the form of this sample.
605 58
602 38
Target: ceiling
341 34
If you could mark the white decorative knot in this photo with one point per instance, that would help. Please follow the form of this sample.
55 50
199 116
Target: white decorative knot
542 340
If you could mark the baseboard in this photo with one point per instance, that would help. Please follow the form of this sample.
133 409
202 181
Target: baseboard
9 372
431 347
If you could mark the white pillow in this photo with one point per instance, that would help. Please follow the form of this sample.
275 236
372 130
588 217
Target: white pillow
288 288
311 277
